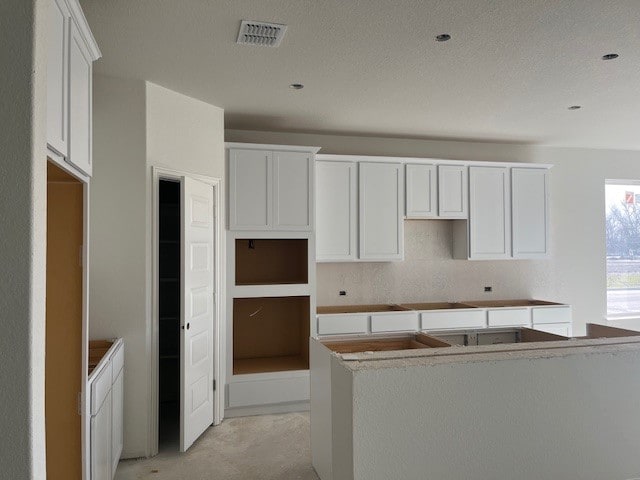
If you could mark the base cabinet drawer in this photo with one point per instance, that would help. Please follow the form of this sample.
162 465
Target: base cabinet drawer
444 319
551 315
342 324
268 392
394 322
509 317
563 329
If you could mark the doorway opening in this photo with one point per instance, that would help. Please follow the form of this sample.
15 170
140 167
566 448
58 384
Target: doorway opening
169 289
64 305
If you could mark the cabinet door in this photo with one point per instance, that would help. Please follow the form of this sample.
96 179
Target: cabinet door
563 329
250 193
452 191
489 215
380 211
421 191
79 102
101 442
335 211
57 77
530 218
117 398
292 190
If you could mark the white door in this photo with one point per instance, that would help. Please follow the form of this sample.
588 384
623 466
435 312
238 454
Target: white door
335 211
452 191
250 192
381 197
197 311
530 212
421 191
292 187
490 213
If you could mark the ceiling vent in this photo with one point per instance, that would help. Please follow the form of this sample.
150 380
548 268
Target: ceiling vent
260 33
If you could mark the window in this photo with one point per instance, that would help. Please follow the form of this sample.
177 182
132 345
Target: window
622 229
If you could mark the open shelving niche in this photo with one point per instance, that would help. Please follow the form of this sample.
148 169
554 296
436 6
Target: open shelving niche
271 298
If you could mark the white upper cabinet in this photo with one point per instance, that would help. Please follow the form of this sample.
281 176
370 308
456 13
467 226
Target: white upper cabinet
293 184
421 188
71 53
490 213
380 211
530 219
57 77
250 192
80 68
336 216
452 191
270 188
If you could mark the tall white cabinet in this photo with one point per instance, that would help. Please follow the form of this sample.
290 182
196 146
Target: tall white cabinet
336 215
71 53
530 212
380 211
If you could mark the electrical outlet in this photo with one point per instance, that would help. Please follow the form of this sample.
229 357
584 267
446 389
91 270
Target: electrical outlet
342 293
488 289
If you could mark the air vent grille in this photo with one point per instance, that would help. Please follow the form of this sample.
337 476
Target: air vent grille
261 33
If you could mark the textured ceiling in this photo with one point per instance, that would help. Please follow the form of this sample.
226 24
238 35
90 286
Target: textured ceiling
373 67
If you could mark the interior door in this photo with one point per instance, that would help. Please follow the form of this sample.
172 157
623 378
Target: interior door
197 311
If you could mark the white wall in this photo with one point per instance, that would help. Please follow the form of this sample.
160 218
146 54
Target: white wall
138 125
23 219
574 274
560 417
118 241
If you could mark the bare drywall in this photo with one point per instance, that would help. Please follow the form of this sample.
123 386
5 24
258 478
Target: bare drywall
138 125
574 273
22 256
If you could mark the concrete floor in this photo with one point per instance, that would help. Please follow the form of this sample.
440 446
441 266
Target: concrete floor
267 447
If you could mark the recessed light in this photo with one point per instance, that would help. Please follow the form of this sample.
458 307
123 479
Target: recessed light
610 56
443 37
296 86
575 107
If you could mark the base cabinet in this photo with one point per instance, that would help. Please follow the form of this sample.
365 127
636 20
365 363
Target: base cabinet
101 465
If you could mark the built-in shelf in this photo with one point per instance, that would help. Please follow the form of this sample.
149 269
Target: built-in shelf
271 261
270 334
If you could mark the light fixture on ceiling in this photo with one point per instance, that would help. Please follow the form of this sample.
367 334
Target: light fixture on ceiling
575 107
296 86
443 37
610 56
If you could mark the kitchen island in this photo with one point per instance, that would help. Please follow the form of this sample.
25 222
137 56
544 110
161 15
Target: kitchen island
476 404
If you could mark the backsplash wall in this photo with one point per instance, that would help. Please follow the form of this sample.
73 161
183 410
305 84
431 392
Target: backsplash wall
428 273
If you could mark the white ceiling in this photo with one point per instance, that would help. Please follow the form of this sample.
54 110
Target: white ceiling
373 67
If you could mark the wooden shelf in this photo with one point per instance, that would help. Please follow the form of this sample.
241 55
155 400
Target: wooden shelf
242 366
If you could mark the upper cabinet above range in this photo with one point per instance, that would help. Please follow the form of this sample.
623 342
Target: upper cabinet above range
71 53
436 191
271 187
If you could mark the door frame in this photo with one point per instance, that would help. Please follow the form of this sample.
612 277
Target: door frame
158 174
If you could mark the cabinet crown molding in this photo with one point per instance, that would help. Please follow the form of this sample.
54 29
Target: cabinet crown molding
426 161
83 26
264 146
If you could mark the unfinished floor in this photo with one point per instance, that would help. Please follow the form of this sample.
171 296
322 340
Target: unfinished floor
265 447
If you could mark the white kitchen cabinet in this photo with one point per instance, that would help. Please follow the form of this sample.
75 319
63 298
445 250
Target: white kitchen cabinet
453 318
71 53
509 317
101 461
106 384
57 77
336 324
563 329
490 213
530 207
421 190
395 322
452 191
380 211
271 188
336 215
555 314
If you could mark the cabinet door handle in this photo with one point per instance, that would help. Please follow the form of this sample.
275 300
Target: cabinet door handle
188 326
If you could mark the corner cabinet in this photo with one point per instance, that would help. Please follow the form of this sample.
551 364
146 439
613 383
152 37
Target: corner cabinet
71 53
271 187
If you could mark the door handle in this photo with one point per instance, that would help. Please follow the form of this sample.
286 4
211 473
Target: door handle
188 326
